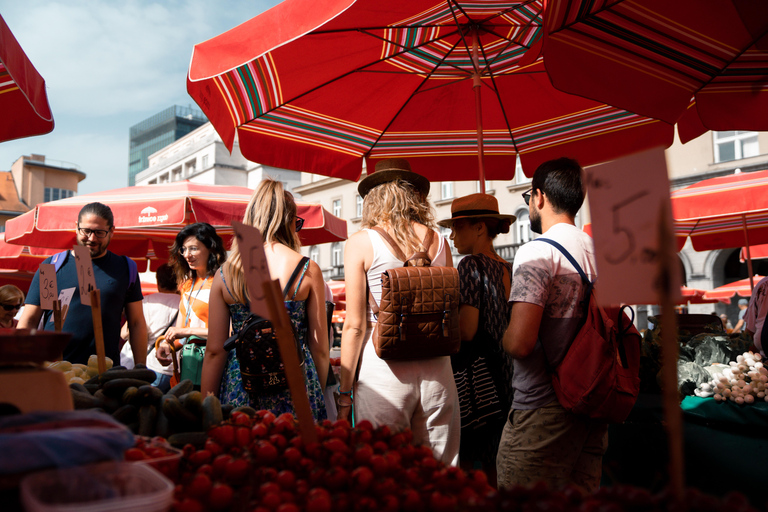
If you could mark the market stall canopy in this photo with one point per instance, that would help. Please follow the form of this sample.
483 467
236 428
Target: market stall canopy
741 288
758 252
24 109
696 296
699 63
147 218
447 85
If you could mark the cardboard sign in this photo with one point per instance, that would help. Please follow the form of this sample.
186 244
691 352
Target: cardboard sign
85 278
48 286
630 210
251 246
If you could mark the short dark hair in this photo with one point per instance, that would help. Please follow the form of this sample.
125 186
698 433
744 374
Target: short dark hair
494 227
98 209
166 278
561 181
206 234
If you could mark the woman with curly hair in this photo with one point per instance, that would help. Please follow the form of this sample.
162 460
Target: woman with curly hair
273 211
195 255
415 394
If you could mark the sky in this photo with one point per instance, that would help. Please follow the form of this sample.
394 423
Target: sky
107 65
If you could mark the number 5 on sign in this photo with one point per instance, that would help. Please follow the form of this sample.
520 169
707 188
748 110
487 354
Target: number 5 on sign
629 205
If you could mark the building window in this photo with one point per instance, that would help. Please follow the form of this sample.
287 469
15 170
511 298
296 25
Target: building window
54 194
205 162
359 206
523 231
176 174
446 190
336 256
446 233
735 145
314 254
336 207
487 186
189 167
520 176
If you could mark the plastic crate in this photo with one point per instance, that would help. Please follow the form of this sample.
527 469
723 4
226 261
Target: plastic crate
111 486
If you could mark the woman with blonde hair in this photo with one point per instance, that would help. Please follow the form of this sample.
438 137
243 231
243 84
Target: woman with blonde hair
273 211
11 300
415 394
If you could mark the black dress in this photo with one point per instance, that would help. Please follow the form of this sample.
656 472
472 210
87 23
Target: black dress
482 370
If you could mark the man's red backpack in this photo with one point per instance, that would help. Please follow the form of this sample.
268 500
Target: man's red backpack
599 376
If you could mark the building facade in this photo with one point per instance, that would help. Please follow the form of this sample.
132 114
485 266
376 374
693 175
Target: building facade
201 157
158 131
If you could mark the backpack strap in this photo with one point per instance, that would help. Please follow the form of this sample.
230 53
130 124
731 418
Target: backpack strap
58 260
303 263
569 257
133 270
391 242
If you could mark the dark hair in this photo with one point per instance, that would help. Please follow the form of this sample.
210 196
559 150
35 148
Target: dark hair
166 278
98 209
494 227
206 234
561 181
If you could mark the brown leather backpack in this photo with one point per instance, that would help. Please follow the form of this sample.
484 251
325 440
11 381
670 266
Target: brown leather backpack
418 317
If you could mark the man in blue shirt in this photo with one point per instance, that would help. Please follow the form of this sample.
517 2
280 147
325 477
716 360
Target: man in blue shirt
119 291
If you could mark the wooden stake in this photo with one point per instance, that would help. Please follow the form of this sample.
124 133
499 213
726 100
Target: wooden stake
98 331
57 315
285 341
669 355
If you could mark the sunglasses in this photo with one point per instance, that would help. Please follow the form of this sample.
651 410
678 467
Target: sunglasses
11 307
527 196
299 223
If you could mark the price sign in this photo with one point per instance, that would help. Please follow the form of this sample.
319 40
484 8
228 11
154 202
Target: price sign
251 246
48 287
85 278
630 210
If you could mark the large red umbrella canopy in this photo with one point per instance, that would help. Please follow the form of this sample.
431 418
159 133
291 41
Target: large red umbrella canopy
147 218
22 257
654 57
696 296
24 109
321 86
741 288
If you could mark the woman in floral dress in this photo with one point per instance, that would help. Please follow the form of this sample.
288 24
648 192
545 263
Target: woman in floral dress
273 211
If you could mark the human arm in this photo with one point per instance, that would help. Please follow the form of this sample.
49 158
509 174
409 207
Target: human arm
738 326
178 332
218 332
353 333
30 317
137 331
318 323
523 330
470 279
163 352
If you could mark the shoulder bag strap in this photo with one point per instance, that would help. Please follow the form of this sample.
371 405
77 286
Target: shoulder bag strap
303 261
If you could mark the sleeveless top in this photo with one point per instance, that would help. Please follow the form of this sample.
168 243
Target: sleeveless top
232 392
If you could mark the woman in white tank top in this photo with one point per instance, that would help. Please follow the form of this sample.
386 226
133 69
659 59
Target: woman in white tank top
419 394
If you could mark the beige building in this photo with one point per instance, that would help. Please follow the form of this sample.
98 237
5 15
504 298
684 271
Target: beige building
712 154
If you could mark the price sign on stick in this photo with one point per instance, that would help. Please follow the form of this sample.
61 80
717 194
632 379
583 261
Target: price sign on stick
628 202
266 295
48 288
85 278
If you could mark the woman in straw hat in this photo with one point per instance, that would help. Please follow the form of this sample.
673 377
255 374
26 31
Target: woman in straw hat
485 395
418 394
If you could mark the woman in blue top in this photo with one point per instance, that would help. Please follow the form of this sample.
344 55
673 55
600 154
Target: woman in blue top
273 211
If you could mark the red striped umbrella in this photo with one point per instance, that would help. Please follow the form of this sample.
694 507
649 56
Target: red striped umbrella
757 252
23 100
696 296
742 288
720 213
147 218
654 57
446 84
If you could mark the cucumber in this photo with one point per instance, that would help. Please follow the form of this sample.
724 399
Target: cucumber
117 387
85 400
247 409
129 395
212 414
147 418
126 414
180 419
193 402
148 395
196 439
79 387
143 374
182 388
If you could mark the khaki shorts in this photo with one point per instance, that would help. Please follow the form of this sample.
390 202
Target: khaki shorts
553 445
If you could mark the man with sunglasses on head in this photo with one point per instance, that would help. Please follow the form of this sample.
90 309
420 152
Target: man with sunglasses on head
117 282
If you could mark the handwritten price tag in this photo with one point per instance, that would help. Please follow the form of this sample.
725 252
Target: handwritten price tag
48 287
629 204
251 246
85 278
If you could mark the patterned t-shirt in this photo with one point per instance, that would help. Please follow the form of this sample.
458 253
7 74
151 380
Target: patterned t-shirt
195 294
543 276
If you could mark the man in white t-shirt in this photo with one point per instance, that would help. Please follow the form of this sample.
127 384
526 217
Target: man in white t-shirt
542 441
756 312
160 312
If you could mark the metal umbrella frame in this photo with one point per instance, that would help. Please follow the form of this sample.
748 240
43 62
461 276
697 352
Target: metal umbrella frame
448 85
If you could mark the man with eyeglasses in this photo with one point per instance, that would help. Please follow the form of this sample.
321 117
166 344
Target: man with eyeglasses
115 278
541 441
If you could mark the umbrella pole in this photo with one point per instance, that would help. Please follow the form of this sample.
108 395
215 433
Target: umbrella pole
749 255
476 84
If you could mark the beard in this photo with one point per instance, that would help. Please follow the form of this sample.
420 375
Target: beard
535 218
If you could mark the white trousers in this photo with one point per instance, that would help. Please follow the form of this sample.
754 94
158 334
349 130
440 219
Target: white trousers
420 395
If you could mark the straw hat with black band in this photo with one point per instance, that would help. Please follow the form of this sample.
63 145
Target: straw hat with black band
475 206
392 169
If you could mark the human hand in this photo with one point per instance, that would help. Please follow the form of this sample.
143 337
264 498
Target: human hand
174 333
164 353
